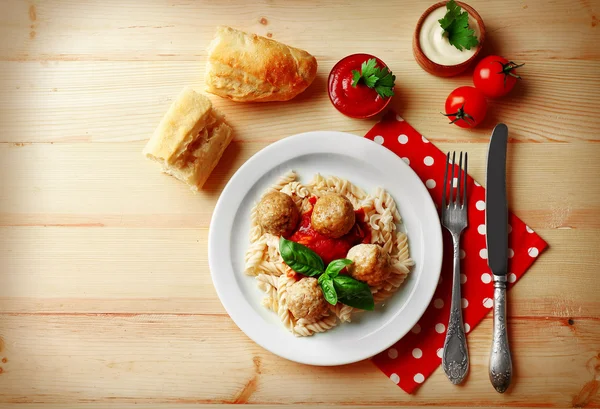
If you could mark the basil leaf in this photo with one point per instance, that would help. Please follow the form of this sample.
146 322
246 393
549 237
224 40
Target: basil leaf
353 292
334 268
328 290
300 258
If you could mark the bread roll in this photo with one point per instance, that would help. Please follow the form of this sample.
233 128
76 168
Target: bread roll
190 139
247 67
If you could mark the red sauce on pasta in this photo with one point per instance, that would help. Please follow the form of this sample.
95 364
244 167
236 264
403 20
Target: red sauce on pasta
327 248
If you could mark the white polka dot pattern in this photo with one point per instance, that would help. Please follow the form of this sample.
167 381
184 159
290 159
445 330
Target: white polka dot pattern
422 347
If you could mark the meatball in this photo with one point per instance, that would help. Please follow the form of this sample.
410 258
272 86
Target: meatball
333 215
306 300
371 264
278 214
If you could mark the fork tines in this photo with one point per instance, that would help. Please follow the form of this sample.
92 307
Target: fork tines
461 182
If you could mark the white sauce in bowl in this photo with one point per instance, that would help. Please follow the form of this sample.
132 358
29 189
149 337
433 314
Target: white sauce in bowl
436 46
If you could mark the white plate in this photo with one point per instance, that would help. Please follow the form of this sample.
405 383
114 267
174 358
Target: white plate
365 164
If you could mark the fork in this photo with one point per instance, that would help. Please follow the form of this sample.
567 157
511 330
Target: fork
455 358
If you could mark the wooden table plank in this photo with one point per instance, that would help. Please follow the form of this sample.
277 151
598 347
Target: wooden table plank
205 359
113 185
89 269
44 104
115 30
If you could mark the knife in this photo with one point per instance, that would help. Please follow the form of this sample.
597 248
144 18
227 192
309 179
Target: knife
496 220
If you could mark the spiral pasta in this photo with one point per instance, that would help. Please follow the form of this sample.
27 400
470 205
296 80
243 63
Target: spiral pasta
255 256
268 284
284 180
274 277
343 312
285 315
305 329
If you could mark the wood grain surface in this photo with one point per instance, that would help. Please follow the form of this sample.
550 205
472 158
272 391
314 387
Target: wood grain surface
105 293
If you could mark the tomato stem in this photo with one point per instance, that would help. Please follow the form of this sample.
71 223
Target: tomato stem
507 69
461 114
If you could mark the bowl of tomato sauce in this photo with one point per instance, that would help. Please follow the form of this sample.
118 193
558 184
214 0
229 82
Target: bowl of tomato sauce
356 100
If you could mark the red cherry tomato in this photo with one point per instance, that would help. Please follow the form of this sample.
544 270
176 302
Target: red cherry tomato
466 107
495 76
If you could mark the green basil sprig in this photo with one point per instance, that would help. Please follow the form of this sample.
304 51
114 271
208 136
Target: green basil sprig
328 290
334 268
336 287
353 293
300 258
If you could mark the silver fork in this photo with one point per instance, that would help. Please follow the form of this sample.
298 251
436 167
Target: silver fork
455 359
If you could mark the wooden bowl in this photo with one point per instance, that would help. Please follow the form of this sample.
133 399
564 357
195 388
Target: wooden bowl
439 69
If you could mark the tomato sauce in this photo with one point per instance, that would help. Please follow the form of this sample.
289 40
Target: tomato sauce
356 102
327 248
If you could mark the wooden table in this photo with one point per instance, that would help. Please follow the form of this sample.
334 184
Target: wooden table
105 294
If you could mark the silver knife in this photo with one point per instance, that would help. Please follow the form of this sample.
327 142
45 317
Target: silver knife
496 220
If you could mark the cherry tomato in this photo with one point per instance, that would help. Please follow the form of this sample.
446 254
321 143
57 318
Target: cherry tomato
466 107
495 76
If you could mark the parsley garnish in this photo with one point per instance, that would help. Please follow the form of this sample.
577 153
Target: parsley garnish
380 79
456 26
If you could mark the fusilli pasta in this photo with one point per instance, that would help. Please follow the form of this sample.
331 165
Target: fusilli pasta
274 277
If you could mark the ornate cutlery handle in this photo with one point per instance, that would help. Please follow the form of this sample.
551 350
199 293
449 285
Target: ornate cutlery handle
455 359
500 359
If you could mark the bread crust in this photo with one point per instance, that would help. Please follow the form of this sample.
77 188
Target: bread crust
247 67
190 139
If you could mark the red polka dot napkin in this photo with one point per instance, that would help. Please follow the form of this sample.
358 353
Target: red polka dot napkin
414 358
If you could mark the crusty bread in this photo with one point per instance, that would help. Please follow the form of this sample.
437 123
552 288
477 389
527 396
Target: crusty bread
190 139
247 67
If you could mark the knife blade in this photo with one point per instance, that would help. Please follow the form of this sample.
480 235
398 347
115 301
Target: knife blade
496 214
496 219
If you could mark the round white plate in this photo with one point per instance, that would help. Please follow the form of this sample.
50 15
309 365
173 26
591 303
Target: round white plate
365 164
